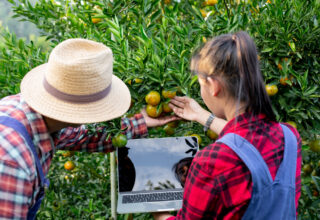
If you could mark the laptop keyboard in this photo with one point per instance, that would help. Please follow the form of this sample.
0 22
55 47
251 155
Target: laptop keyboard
152 197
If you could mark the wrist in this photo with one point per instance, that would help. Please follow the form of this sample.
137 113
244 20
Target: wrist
202 117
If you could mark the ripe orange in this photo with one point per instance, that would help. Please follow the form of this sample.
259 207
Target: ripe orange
96 20
283 81
279 66
271 89
120 140
204 40
315 145
210 2
292 123
166 108
167 94
168 129
153 111
153 98
136 80
203 13
212 135
167 2
69 165
198 137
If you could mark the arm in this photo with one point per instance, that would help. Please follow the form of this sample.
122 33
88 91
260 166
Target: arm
189 109
78 139
15 189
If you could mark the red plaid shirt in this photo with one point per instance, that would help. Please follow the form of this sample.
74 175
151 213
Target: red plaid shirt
19 182
219 184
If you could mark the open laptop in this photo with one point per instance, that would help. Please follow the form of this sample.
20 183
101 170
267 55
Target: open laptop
148 178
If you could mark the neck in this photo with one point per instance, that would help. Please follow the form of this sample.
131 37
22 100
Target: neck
54 125
233 109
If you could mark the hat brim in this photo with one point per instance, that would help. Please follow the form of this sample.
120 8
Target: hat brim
114 105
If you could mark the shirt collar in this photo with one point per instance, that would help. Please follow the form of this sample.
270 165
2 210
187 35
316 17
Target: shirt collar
242 120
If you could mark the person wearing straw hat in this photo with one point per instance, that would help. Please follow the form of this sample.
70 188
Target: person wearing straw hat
75 87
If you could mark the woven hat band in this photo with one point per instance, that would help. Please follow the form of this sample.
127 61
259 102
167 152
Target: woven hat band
75 98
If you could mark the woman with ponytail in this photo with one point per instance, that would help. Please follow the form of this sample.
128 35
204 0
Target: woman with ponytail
253 170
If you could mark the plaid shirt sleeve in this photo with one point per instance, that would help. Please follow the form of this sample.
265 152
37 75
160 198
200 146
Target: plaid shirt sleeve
78 139
16 185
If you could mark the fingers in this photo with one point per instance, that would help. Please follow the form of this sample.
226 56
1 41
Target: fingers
177 103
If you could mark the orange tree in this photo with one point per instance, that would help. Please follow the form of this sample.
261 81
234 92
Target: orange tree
152 42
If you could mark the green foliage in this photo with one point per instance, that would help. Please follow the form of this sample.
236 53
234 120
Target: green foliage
16 59
154 41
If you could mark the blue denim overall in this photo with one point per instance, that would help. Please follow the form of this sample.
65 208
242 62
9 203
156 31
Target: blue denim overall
274 200
44 183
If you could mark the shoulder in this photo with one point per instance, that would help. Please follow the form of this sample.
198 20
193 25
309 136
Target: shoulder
295 132
14 150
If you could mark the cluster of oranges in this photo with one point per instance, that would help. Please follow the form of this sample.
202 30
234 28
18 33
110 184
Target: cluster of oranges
154 106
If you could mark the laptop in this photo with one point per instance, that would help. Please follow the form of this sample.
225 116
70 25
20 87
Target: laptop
151 173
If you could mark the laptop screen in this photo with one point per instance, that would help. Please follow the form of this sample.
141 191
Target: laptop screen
154 163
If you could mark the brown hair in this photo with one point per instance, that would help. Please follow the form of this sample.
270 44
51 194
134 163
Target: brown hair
234 59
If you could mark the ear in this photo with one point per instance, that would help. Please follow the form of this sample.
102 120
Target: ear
215 86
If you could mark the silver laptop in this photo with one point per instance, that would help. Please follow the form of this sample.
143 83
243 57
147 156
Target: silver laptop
151 173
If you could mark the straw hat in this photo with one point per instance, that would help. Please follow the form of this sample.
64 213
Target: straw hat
77 84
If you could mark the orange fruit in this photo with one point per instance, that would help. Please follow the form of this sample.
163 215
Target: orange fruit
169 130
69 165
271 89
136 80
315 193
198 137
153 98
283 81
212 135
153 111
173 124
279 66
203 13
167 94
204 40
210 2
167 2
68 153
315 146
96 20
292 123
120 140
166 108
307 169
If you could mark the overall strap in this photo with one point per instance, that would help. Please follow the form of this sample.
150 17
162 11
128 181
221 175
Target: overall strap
287 170
260 174
20 128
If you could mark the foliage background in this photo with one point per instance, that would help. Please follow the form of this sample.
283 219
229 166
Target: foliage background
154 41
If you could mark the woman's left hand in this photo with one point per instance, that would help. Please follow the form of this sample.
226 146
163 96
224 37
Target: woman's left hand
161 215
154 122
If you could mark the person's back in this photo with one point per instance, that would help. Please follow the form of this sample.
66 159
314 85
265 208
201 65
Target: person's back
228 172
219 184
271 197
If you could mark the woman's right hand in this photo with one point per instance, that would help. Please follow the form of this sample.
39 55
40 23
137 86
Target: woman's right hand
187 108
